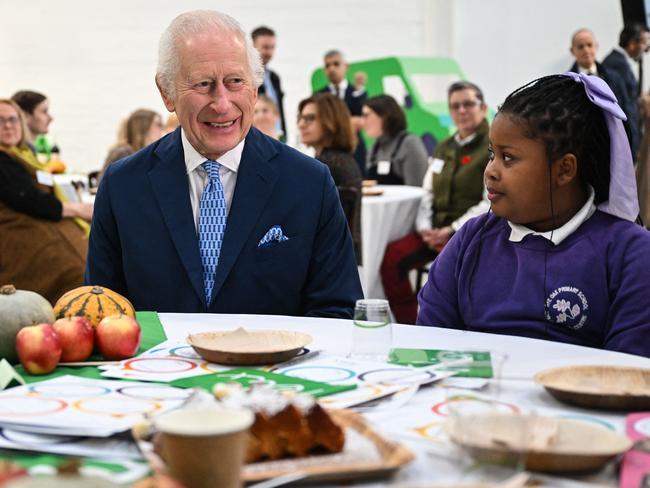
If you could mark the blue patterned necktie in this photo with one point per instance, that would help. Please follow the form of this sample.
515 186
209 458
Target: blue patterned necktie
212 224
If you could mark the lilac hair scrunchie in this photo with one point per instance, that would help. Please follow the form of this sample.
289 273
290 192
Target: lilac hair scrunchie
623 199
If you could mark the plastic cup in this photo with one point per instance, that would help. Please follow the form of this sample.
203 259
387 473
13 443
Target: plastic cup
372 338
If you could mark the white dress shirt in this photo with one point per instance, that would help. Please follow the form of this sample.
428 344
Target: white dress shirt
342 87
198 178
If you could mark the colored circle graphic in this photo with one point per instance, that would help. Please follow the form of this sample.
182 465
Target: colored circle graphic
376 375
326 374
116 407
469 405
587 418
159 365
153 392
643 426
69 390
362 393
30 406
186 352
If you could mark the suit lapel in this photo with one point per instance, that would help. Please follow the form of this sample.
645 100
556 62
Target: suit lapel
169 184
255 181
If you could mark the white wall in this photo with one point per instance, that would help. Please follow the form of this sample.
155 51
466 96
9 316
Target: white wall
96 60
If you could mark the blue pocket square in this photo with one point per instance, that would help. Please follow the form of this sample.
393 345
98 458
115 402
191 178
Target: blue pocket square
274 234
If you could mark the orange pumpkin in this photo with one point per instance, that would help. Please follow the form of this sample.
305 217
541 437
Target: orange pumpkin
94 303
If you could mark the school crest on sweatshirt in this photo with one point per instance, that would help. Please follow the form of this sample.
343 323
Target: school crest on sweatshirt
567 306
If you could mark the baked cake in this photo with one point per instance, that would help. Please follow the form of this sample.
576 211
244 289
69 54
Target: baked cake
287 424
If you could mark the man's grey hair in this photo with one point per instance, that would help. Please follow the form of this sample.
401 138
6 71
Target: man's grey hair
192 23
334 52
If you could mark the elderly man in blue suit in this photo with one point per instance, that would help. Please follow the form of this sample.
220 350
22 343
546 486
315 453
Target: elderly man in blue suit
216 216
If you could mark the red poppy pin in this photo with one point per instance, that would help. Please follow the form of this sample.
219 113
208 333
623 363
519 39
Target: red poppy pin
465 160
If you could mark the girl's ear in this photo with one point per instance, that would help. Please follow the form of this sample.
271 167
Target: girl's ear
566 169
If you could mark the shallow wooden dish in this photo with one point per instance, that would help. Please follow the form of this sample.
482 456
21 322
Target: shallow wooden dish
599 387
548 444
372 192
248 347
368 183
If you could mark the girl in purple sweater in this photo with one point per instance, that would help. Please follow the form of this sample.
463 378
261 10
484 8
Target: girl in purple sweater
559 256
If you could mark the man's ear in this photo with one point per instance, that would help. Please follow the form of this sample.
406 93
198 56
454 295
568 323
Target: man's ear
167 100
566 169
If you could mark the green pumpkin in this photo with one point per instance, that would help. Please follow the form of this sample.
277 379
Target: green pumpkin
18 309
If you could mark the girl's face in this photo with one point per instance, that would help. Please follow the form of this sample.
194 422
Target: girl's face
156 131
517 176
10 130
372 123
311 131
39 121
264 117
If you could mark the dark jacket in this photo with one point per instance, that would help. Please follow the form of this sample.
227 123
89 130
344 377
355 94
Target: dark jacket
275 81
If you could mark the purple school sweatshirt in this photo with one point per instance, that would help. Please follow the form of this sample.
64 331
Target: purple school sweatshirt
597 289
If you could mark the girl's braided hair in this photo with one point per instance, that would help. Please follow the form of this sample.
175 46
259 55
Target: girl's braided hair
555 109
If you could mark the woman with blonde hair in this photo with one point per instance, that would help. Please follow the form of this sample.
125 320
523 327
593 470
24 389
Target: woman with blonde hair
42 240
324 124
141 129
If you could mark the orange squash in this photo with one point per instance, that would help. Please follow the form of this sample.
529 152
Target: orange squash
94 303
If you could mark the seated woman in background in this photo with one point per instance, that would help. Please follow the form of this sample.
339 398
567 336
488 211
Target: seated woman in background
454 194
559 257
141 129
266 117
42 247
397 157
324 124
35 107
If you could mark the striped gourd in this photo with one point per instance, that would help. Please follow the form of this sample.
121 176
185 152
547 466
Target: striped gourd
92 302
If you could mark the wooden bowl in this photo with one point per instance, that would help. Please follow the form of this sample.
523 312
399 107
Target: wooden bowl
372 192
248 347
368 183
548 444
599 387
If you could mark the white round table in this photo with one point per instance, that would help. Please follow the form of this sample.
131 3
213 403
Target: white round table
384 219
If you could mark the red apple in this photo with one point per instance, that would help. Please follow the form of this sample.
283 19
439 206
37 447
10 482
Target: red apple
39 348
77 338
118 337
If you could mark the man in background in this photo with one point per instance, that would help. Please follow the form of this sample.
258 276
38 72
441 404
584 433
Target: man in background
584 48
264 41
624 60
354 97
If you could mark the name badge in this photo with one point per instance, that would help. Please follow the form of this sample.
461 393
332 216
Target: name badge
44 178
437 165
383 167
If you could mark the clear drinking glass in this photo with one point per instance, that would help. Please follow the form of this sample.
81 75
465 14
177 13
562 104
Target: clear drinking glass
372 338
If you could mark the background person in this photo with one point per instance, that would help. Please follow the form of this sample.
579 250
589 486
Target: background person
336 71
264 41
397 157
217 217
266 116
42 248
324 124
559 257
623 60
36 108
141 129
454 192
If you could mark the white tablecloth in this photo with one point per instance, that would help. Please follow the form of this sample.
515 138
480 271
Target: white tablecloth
384 219
523 358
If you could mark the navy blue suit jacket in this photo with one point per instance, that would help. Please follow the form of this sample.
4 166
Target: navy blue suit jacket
617 62
144 245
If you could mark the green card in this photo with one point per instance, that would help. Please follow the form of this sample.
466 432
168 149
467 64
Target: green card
481 367
249 376
8 375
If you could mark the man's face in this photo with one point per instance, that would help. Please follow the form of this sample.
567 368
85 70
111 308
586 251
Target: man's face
584 49
215 93
266 47
335 68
